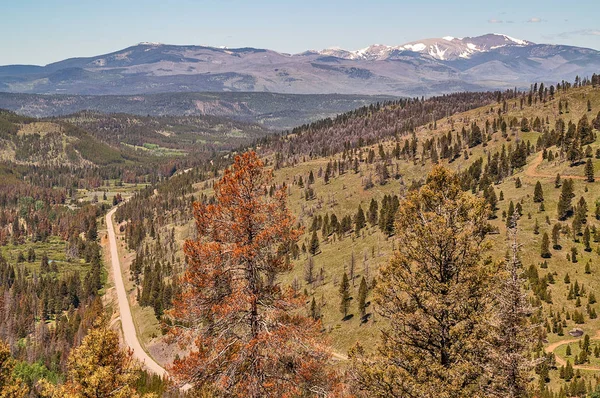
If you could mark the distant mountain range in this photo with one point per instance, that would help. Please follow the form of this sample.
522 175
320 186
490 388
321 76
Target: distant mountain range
425 67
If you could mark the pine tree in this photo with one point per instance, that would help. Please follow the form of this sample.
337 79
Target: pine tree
512 336
314 244
589 171
538 193
248 337
344 292
586 239
362 297
373 207
569 373
99 367
359 220
565 208
432 346
545 251
510 220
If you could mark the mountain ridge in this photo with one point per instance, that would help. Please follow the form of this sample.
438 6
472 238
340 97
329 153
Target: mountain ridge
424 67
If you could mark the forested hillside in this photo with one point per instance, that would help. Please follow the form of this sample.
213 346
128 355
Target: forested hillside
56 183
518 176
531 156
175 135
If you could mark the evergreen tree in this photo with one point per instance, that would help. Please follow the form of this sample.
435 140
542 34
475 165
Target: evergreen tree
490 196
434 294
510 220
362 297
518 183
565 208
538 193
586 239
327 173
545 252
589 171
344 292
359 220
314 244
373 207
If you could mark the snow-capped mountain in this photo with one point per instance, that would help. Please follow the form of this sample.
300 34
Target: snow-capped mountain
445 49
423 67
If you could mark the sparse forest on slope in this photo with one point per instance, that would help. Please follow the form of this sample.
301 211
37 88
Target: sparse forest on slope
347 201
56 181
372 124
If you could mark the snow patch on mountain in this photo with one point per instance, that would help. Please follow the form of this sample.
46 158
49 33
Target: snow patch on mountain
418 47
444 49
518 41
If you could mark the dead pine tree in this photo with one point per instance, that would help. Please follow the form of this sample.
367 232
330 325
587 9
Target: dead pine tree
512 336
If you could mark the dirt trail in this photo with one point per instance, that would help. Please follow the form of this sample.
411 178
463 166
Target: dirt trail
561 362
129 332
531 170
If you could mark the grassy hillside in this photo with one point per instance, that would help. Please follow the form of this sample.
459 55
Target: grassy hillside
364 180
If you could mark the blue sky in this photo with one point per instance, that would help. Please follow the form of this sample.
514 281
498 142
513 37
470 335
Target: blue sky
44 31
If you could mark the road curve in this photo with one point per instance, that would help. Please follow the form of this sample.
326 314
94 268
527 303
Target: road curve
560 361
531 170
129 332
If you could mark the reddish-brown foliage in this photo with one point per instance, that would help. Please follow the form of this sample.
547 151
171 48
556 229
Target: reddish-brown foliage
249 339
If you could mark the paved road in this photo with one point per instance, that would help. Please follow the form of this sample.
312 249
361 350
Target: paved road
129 331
